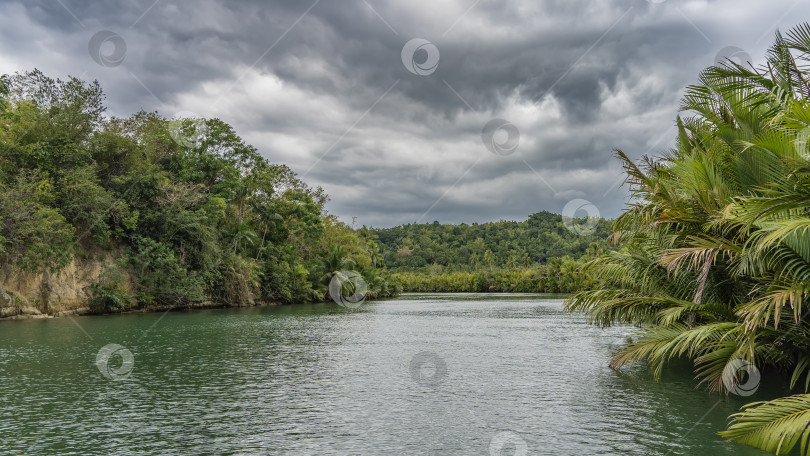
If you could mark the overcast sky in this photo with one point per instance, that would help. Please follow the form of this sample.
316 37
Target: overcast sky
383 103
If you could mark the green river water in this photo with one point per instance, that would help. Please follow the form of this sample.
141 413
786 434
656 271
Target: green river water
462 374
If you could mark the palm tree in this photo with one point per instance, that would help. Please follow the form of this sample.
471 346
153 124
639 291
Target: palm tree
243 235
715 258
336 260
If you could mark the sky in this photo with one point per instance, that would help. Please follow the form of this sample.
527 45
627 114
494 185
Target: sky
411 110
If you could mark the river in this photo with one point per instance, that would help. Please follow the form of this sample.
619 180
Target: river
462 374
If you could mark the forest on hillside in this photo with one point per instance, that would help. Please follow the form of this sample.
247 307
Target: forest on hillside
188 211
541 254
503 244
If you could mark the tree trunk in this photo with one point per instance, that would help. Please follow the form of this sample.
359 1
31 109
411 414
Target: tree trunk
261 246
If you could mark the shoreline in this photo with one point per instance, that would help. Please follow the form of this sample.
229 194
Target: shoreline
26 313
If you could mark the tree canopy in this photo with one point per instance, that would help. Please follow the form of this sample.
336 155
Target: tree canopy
191 211
540 254
503 244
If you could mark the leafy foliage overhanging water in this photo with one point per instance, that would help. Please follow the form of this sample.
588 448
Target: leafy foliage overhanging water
714 264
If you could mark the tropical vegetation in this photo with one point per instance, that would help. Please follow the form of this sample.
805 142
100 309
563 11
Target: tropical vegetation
539 254
508 244
714 257
187 210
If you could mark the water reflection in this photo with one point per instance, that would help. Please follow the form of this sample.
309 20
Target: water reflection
422 374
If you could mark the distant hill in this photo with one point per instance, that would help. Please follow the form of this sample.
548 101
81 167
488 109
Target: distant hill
503 244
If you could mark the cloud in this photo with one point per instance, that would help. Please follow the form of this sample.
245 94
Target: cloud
325 91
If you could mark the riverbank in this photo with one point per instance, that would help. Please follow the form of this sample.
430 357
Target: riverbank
29 312
70 292
555 277
118 214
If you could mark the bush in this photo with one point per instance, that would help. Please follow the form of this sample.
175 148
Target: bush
161 276
109 293
110 297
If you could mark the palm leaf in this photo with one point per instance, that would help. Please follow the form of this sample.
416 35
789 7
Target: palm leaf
775 426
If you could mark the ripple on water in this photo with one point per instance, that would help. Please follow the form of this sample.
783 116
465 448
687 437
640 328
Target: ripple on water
436 374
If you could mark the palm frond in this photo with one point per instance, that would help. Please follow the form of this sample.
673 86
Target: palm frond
775 426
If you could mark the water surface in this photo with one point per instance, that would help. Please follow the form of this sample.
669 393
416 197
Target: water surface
422 374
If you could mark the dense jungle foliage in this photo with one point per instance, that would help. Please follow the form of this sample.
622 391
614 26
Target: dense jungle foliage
540 254
714 265
560 275
191 212
504 244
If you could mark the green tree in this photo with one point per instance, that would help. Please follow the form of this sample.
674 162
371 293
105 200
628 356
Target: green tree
190 211
715 258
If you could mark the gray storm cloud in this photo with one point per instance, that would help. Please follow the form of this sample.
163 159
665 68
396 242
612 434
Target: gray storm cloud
321 86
